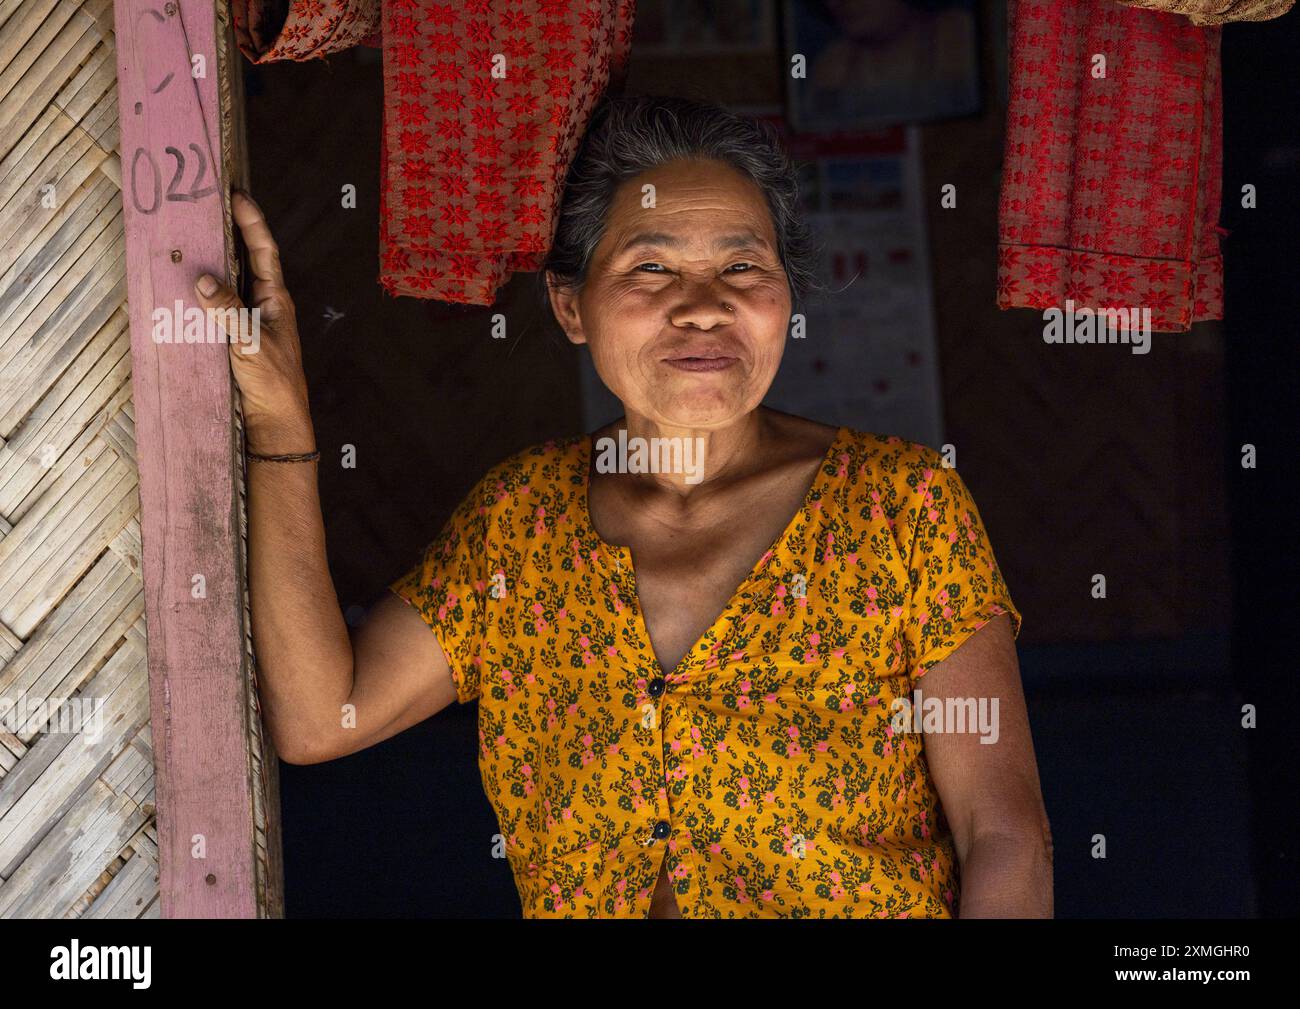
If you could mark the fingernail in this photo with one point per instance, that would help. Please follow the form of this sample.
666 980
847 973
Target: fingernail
207 285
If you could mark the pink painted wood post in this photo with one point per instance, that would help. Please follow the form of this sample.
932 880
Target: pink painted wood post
175 168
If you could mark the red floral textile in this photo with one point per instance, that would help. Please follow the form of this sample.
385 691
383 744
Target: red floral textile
1111 185
485 102
311 29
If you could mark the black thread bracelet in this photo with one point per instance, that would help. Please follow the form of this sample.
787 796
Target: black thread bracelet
292 457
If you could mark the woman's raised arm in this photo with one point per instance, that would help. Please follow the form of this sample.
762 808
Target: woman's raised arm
323 694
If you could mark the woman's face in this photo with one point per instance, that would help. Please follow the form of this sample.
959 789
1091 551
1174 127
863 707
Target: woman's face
651 310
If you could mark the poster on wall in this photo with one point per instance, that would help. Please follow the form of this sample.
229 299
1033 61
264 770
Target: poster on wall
875 321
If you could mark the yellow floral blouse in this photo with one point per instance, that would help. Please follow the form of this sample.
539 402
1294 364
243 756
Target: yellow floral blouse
764 768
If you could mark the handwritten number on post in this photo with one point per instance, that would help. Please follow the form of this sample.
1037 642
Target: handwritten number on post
196 191
175 191
180 170
140 152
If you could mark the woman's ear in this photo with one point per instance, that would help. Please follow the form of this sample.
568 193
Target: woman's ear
564 303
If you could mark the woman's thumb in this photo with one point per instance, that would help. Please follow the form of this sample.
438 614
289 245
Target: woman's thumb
211 291
223 306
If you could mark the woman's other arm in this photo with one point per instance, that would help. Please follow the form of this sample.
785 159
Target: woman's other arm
990 791
323 694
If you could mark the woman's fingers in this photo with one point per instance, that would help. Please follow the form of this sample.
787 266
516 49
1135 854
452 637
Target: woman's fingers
263 253
222 304
265 354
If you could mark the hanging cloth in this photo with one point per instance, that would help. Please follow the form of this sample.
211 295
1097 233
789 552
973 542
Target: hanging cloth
485 103
1217 12
1113 161
307 30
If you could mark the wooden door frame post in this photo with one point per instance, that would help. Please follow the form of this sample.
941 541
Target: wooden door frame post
181 123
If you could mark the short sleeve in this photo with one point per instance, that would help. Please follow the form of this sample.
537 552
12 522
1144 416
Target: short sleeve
956 586
448 588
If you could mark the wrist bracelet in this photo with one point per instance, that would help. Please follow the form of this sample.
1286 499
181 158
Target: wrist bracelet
292 457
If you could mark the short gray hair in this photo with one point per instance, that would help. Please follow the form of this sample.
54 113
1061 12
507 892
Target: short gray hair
627 136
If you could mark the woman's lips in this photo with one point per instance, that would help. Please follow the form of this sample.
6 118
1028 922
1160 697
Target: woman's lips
701 363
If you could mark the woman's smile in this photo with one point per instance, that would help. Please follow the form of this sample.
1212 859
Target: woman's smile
702 363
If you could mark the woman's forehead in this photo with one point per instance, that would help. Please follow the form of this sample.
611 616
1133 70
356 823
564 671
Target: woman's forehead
687 179
725 237
700 203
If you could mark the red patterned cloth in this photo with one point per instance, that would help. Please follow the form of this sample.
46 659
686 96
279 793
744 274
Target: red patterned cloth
1111 186
311 29
485 102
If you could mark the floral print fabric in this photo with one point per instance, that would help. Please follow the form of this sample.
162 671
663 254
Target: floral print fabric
310 30
763 768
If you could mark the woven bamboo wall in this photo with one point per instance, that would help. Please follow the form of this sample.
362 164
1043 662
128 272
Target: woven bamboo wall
77 832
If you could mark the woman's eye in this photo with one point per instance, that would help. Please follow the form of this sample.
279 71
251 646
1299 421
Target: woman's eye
660 268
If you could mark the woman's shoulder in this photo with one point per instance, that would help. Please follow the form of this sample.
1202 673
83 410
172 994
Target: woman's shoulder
854 451
879 456
894 477
537 474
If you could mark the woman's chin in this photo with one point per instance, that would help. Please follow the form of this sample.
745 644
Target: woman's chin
702 413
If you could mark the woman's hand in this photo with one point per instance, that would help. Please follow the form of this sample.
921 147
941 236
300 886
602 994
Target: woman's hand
268 369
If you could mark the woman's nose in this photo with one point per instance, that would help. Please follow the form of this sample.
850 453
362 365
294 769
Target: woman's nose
704 307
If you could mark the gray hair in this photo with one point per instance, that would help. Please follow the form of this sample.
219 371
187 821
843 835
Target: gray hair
627 136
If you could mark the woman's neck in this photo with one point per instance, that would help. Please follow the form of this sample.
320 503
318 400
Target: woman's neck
677 460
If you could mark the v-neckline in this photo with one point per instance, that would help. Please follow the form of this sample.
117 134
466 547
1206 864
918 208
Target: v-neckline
624 554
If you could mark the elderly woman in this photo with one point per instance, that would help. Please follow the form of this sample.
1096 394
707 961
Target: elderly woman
694 679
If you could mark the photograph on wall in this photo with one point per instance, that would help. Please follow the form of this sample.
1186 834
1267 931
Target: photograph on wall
694 27
880 63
